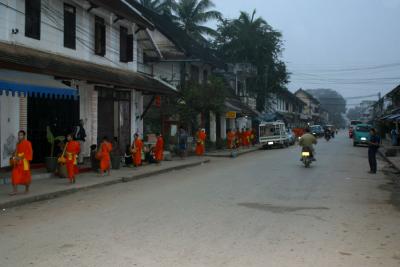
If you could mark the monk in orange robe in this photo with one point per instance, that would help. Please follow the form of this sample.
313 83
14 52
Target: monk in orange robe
201 142
247 136
159 148
238 138
72 151
105 159
21 172
137 148
243 137
230 139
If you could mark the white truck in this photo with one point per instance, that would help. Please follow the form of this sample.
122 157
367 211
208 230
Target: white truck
273 134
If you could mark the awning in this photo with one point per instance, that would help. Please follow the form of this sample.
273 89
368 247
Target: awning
33 84
24 58
392 117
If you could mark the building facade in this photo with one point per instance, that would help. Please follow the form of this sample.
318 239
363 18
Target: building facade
61 61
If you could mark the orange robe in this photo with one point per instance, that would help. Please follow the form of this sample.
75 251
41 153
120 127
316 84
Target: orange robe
137 154
230 137
201 141
105 159
247 136
21 173
159 149
238 139
71 154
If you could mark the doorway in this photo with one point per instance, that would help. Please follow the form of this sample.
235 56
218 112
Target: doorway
61 115
114 116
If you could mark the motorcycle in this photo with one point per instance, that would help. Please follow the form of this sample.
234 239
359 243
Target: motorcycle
306 157
327 137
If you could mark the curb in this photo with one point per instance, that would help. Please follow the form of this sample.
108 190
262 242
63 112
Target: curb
388 160
65 192
232 154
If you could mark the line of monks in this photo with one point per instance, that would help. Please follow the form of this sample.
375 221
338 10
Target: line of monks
20 161
240 138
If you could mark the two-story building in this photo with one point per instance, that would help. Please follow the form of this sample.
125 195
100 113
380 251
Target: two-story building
311 110
61 61
289 107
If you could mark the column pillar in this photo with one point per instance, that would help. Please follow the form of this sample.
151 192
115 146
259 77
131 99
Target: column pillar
223 126
213 127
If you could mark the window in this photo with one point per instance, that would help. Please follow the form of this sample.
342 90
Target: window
129 48
205 77
125 45
99 36
32 18
69 26
194 74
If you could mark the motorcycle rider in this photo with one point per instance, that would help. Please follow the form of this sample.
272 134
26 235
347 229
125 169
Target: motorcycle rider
308 141
327 133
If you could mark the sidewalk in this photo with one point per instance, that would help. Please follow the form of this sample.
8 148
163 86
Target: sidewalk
48 188
390 153
232 153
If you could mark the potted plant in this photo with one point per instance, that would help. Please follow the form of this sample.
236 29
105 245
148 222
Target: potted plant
51 161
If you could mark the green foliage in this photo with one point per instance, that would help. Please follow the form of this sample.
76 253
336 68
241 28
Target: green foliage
192 15
248 39
160 6
202 98
333 103
52 140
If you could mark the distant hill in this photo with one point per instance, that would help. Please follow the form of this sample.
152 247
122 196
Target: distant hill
333 102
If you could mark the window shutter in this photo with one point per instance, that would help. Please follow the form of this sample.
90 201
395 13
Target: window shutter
129 48
69 26
32 18
123 44
100 36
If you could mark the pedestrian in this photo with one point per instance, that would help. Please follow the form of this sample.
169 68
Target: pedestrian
128 156
394 135
200 142
253 136
137 148
80 136
104 156
21 172
159 148
373 146
238 138
230 139
72 150
182 142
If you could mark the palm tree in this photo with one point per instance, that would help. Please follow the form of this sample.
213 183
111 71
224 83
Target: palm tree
191 15
160 6
250 39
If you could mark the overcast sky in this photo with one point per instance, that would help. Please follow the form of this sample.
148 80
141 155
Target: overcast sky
352 46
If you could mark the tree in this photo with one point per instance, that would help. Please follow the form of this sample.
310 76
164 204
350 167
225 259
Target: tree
250 39
191 15
333 102
159 6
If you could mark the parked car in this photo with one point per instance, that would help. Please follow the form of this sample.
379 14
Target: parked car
361 134
317 130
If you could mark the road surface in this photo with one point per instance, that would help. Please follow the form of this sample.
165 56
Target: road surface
262 209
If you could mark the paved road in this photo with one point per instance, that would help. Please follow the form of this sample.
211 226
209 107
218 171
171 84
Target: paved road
262 209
